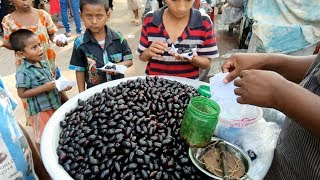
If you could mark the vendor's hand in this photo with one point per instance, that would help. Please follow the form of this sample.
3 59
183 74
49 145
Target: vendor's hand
156 49
49 86
61 43
241 61
259 87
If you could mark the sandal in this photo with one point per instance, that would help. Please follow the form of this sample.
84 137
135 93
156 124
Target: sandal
68 34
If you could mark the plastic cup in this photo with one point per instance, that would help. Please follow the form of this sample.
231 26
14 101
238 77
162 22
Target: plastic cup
199 121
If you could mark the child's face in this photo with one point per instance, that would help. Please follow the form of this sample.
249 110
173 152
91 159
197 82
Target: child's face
179 8
33 50
22 4
94 17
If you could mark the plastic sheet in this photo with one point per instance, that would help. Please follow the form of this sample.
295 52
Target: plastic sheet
231 15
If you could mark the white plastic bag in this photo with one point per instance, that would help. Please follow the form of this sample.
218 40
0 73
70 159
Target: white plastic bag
61 37
258 140
233 116
63 83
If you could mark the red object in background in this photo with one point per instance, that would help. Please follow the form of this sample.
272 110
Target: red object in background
197 5
54 7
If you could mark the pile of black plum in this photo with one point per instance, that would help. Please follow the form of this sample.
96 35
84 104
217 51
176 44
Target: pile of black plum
130 131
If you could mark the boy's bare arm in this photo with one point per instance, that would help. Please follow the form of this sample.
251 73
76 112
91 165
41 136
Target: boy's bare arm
80 81
200 62
144 56
27 93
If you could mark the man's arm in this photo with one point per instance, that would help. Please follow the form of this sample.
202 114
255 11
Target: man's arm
300 105
80 76
269 89
292 68
201 62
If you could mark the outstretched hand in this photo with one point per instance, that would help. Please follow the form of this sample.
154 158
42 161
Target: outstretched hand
259 87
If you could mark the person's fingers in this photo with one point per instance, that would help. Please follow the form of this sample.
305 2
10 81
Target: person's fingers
161 44
227 66
238 91
153 52
243 73
156 50
237 82
241 100
230 77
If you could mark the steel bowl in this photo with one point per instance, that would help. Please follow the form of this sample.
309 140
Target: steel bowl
196 153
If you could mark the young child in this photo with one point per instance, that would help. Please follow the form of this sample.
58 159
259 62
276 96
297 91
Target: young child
35 81
39 22
97 46
180 25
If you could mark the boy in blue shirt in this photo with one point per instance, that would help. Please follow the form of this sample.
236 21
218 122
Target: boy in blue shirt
97 46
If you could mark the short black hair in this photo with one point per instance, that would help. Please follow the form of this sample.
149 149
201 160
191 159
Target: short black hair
18 39
104 3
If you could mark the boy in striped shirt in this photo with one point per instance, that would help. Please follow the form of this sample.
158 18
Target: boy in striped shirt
185 28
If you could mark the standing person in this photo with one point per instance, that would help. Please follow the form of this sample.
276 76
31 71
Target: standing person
97 46
16 147
3 12
270 80
34 80
76 16
39 22
180 25
134 6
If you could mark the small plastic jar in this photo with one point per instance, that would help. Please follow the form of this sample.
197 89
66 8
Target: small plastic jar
199 121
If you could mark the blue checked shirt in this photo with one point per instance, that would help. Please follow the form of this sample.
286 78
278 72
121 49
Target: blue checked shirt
29 76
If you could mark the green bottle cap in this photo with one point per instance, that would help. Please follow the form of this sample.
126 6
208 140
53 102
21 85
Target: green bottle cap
204 91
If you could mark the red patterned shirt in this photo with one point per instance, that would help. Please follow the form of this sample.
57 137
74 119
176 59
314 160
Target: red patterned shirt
199 33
